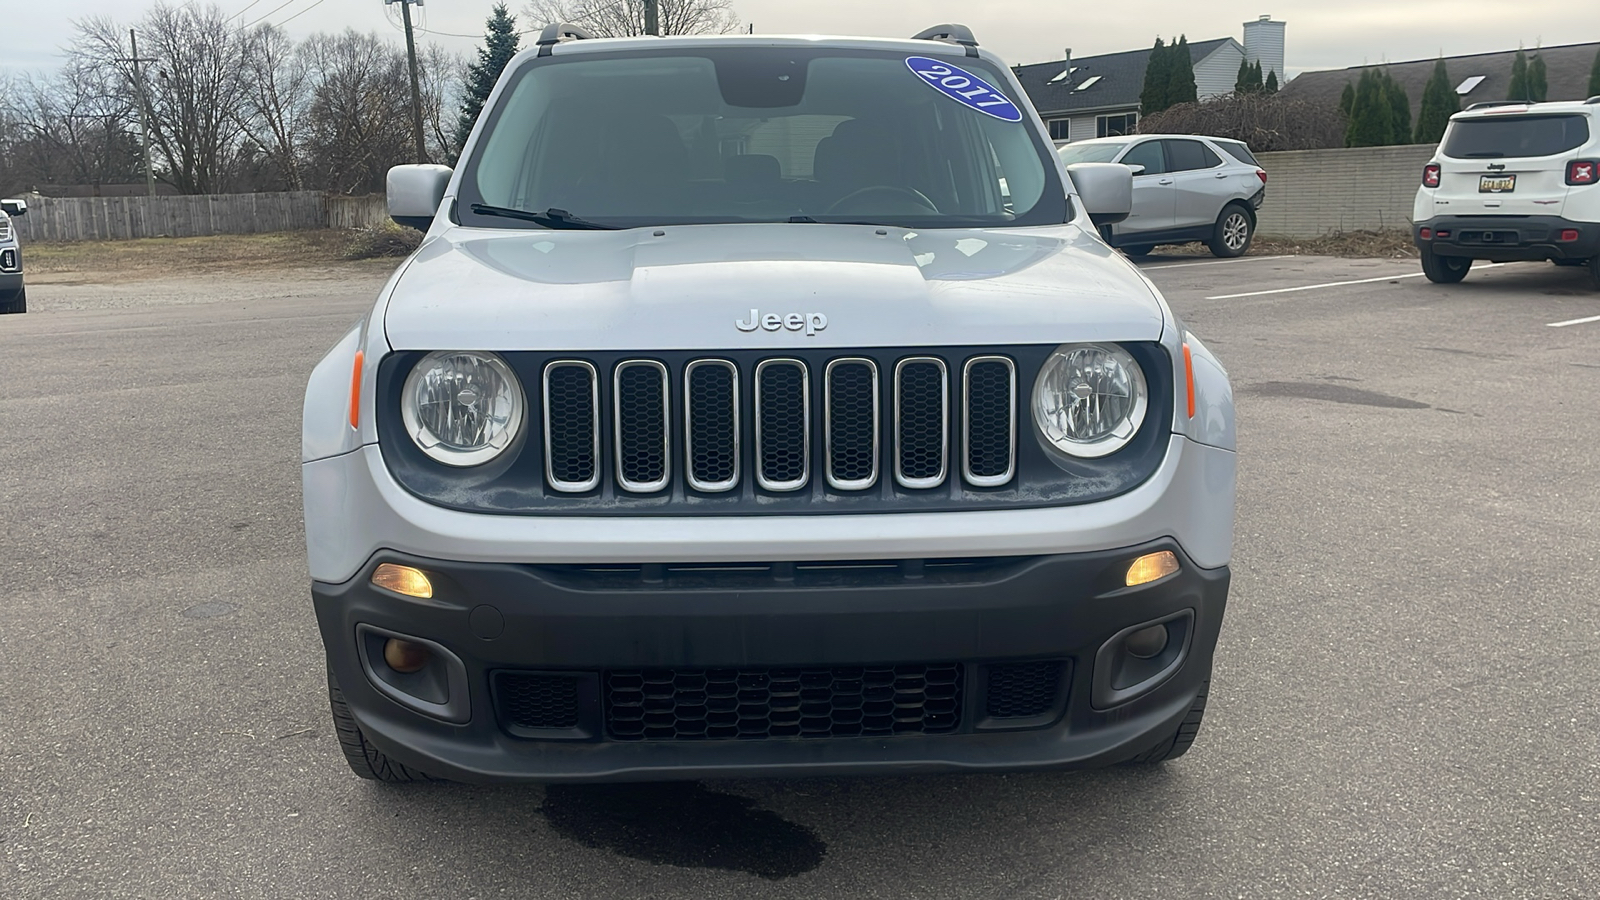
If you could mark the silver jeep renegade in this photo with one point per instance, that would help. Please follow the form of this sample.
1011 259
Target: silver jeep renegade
764 406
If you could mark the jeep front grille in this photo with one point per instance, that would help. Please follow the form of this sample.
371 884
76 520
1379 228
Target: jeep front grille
856 438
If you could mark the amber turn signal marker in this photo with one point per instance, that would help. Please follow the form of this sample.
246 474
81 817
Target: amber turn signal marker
403 580
1151 567
1188 375
355 391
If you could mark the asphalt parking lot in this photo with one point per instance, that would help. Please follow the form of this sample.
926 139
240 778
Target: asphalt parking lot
1403 706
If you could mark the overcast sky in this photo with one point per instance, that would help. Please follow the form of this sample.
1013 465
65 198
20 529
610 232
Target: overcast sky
1321 34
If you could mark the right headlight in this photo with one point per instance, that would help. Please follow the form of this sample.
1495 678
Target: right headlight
462 408
1090 399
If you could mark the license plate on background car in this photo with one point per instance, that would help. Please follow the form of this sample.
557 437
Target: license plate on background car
1497 184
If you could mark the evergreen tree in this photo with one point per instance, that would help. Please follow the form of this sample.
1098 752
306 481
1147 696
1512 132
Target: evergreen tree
1180 85
1271 86
1538 79
1157 72
1347 100
1439 103
1594 77
1241 85
500 42
1399 111
1256 84
1371 115
1519 77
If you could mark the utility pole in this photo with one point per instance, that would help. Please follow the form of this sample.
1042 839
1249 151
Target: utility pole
144 103
652 17
416 90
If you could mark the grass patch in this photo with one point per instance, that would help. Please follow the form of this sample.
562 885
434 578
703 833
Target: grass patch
161 257
1386 244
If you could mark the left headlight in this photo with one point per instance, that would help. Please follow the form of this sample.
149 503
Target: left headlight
1090 399
462 408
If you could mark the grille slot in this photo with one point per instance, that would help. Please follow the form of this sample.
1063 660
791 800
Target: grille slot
644 449
782 703
922 421
1023 690
783 424
711 424
572 425
534 701
851 423
989 389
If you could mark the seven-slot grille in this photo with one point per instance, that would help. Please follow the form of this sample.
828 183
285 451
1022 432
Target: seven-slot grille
866 414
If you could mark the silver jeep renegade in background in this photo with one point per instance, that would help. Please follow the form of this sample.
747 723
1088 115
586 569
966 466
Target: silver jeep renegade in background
765 406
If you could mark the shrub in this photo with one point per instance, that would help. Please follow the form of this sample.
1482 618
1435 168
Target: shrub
378 241
1267 122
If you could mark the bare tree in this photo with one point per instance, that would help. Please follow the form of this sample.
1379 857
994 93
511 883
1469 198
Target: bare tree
194 89
277 101
72 128
360 120
441 74
625 18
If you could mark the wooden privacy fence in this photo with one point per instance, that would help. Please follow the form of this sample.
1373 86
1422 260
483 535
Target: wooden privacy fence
125 218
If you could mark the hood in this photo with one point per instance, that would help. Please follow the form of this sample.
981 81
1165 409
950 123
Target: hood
697 287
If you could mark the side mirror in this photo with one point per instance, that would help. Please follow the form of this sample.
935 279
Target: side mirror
1106 190
415 193
14 208
1135 169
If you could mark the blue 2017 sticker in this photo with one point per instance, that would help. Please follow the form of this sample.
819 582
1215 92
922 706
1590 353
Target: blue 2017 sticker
965 88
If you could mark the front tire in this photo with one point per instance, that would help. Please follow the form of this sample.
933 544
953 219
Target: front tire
1138 251
1179 742
1444 269
1234 231
365 760
17 304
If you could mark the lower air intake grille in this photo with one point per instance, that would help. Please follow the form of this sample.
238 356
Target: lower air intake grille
535 701
1023 690
768 704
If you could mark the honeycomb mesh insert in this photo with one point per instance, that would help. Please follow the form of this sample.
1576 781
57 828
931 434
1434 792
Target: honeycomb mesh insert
571 423
532 700
782 423
922 415
712 438
989 415
1022 690
852 429
782 703
642 417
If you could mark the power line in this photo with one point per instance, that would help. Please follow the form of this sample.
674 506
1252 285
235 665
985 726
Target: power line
299 14
270 14
240 13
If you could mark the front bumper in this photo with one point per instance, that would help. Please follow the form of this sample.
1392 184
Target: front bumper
10 285
1507 238
496 617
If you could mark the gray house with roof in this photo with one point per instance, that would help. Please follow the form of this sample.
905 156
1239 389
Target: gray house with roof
1098 96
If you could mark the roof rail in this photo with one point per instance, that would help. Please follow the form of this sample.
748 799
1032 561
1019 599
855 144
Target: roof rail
1594 99
556 32
952 34
1488 103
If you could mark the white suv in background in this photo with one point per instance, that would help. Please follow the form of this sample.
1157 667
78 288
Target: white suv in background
1512 181
1185 188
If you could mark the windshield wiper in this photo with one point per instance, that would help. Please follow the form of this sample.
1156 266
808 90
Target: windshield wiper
550 218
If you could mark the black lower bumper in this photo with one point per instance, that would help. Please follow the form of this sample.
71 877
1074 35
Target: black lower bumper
10 285
1508 238
616 635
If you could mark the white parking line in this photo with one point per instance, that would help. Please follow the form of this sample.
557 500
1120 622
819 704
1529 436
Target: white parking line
1216 262
1332 284
1584 321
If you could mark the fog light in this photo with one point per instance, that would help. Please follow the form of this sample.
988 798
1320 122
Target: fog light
1152 566
1146 643
403 580
406 657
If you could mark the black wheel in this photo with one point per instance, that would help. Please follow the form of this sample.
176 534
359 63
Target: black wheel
1178 743
1235 229
1444 269
17 304
1138 250
365 760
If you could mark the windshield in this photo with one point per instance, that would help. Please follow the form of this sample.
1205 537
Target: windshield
1077 153
1515 136
755 135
